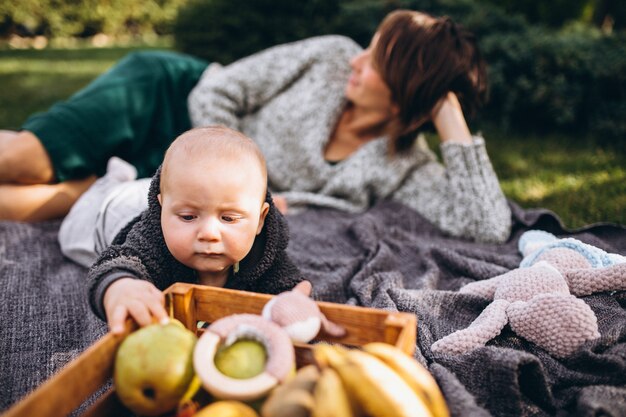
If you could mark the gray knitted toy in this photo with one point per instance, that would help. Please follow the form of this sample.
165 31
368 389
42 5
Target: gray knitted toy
539 299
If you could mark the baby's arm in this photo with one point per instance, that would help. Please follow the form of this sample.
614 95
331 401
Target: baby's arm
136 298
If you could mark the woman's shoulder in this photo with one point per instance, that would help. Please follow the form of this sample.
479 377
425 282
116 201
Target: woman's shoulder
339 40
329 43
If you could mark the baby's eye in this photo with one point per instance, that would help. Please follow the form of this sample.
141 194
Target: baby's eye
229 219
187 217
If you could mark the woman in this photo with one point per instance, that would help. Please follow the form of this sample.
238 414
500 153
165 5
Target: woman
338 124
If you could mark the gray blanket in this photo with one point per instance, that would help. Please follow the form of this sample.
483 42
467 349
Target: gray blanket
388 257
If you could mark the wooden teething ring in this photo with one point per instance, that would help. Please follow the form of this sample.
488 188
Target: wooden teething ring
278 345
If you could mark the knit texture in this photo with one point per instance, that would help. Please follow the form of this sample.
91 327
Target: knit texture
387 257
140 251
289 98
299 315
536 300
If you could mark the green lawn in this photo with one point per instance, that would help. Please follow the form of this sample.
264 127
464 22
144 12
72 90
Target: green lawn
582 183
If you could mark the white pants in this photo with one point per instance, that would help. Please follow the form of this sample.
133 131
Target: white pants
99 215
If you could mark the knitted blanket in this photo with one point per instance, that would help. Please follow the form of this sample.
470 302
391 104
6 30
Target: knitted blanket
388 257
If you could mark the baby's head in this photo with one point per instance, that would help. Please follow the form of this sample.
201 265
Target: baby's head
212 195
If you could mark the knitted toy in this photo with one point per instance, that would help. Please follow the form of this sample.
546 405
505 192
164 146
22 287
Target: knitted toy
299 315
539 299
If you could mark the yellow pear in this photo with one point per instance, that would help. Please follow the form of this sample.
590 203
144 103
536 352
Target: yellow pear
227 408
154 368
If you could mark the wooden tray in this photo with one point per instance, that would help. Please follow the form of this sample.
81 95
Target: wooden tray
89 372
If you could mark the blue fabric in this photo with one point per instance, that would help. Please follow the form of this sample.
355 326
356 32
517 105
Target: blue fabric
596 256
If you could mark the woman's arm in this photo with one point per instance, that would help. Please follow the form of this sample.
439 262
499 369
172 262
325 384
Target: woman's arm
462 197
241 88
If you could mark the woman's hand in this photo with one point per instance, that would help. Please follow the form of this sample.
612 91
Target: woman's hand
136 298
449 121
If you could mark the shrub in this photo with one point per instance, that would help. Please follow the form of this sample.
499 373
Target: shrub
224 30
549 81
553 13
60 18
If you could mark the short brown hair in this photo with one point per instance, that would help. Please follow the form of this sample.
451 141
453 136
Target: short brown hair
421 58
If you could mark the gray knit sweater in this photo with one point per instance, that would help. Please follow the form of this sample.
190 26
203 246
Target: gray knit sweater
288 99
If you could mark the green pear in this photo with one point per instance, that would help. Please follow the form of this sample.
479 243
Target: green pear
242 360
154 368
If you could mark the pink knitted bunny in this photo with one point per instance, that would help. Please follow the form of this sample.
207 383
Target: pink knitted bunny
539 300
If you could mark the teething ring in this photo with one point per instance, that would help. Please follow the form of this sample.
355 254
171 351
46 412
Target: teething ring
226 331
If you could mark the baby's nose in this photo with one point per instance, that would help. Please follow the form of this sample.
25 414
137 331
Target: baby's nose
209 230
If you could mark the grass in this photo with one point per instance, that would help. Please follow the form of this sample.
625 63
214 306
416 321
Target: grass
582 182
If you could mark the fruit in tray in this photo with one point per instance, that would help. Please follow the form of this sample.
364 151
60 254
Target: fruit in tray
242 360
226 409
378 380
154 368
251 338
295 397
251 358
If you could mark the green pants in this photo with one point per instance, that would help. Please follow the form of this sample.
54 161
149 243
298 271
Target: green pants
133 111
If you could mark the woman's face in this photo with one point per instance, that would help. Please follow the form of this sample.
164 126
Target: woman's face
366 88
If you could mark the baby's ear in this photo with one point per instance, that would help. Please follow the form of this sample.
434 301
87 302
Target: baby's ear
159 198
264 209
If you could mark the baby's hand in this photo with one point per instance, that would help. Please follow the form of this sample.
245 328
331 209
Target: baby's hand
136 298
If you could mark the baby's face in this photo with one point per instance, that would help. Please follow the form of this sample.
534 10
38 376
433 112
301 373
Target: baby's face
211 214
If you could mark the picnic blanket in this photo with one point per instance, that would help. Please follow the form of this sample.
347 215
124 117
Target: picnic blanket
388 257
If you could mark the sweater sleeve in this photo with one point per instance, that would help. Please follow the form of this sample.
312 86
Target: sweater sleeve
141 255
241 88
462 198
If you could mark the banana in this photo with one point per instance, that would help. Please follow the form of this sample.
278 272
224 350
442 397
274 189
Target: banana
414 374
305 378
379 390
322 350
288 403
295 397
331 398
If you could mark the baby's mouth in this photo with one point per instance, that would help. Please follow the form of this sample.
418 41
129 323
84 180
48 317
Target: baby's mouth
209 254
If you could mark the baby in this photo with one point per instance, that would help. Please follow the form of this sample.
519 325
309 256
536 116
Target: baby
210 220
